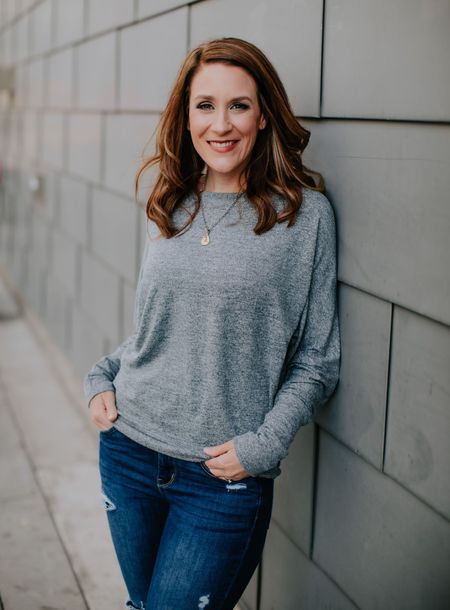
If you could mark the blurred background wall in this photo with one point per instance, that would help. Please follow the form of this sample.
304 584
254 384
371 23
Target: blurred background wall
361 516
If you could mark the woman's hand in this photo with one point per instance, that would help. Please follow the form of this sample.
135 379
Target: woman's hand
225 463
103 409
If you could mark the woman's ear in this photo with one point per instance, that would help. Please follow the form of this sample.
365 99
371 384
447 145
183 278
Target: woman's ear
262 122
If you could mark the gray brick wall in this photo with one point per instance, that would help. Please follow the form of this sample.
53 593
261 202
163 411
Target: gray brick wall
362 509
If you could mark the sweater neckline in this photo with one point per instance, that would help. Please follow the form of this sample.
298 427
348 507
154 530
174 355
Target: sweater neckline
212 197
221 192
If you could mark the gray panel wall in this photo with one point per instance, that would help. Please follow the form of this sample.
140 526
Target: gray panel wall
362 508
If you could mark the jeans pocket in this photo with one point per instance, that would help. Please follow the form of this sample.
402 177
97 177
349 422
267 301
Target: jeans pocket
108 431
247 485
207 470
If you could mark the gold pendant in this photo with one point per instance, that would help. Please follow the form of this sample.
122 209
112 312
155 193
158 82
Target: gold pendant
205 239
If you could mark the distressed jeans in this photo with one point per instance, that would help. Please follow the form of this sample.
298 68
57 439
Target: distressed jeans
184 539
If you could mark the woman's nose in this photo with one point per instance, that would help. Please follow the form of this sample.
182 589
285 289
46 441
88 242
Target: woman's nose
221 122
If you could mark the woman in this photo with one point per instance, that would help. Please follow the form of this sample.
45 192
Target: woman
236 340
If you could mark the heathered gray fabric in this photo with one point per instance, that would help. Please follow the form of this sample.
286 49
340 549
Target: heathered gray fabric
238 339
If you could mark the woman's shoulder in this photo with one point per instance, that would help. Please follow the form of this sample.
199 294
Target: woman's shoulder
315 202
315 206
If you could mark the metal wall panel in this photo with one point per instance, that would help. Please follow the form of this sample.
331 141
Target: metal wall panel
293 491
418 425
356 412
150 56
103 15
249 599
41 39
114 222
61 79
84 145
290 581
56 311
74 208
30 132
387 59
147 8
379 543
100 295
64 261
389 184
52 151
92 92
125 144
69 20
88 343
36 82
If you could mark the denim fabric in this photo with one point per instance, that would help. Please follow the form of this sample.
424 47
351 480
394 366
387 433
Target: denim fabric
184 538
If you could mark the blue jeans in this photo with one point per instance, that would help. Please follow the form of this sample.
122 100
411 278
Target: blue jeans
184 538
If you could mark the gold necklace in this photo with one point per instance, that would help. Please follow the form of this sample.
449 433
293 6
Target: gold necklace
205 239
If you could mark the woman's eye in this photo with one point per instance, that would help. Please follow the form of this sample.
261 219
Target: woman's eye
207 105
203 105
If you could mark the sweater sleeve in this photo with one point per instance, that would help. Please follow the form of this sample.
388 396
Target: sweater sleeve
311 368
101 376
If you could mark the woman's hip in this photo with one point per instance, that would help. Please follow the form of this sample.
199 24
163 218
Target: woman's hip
125 463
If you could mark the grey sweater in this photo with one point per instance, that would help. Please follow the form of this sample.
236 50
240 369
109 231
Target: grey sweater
238 339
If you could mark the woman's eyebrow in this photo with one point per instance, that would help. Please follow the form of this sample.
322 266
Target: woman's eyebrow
235 99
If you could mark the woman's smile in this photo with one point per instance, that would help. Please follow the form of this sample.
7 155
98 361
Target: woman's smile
223 146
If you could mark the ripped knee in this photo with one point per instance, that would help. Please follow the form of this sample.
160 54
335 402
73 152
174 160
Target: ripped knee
130 604
108 504
203 601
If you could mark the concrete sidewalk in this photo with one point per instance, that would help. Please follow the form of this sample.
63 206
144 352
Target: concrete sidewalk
55 550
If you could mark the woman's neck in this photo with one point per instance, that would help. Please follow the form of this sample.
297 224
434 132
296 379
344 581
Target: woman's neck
208 186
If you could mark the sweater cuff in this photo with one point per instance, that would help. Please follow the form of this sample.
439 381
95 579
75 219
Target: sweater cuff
250 453
92 389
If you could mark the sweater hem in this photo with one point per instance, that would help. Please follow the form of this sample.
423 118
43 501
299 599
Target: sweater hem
161 447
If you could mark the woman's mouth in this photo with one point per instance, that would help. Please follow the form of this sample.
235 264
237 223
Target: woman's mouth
223 145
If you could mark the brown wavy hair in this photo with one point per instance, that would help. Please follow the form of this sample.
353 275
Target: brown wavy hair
275 164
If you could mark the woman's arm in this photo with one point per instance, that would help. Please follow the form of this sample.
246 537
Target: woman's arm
100 378
312 371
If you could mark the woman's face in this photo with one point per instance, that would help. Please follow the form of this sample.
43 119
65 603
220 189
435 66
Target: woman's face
224 119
